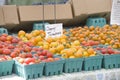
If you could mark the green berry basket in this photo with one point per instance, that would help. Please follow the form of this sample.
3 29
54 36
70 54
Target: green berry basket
54 68
111 61
96 21
73 65
29 71
93 63
6 67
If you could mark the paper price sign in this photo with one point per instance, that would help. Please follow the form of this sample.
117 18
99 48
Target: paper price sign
54 30
115 13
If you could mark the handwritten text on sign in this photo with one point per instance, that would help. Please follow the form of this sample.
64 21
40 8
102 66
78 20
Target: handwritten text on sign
54 30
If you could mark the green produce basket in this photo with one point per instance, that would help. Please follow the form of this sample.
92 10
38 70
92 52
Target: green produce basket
111 61
6 67
53 68
3 31
96 22
73 65
93 63
39 26
29 71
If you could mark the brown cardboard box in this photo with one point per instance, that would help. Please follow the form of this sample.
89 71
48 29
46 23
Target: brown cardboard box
2 22
78 7
82 9
63 11
30 13
10 14
96 6
35 13
110 4
48 12
90 7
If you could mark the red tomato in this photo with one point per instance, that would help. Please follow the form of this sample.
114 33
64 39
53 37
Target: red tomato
6 51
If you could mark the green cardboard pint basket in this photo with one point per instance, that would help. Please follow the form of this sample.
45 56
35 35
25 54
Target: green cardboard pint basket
54 68
93 63
29 71
96 22
111 61
73 65
6 67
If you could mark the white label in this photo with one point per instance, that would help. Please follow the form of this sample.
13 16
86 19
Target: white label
54 30
115 13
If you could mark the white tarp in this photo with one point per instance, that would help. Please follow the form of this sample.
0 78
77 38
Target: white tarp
103 74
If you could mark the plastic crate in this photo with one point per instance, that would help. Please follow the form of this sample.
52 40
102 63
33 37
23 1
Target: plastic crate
111 61
6 67
29 71
53 68
3 30
73 65
96 22
93 63
39 26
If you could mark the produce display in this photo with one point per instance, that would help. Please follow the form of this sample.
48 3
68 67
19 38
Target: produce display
85 47
14 47
61 45
107 50
106 35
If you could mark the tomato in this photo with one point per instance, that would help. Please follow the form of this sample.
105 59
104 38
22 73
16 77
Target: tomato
6 51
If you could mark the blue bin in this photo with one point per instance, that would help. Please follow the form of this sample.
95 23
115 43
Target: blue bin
96 22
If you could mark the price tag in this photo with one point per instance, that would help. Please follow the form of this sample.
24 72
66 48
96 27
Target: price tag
54 30
100 76
115 13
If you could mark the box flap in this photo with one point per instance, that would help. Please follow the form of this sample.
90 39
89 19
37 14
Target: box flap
64 11
79 7
10 14
96 6
49 12
30 13
2 22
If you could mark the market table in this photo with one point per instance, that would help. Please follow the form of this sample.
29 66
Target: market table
109 74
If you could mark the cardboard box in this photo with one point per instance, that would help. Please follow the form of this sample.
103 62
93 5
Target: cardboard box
96 6
2 22
78 7
90 7
10 14
110 4
63 11
49 12
35 13
83 9
30 13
